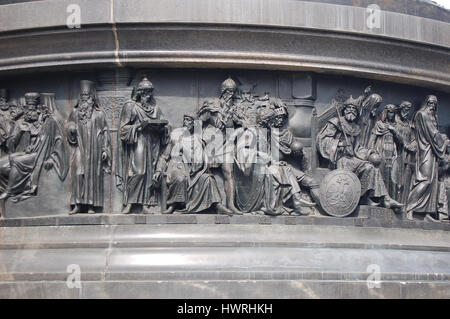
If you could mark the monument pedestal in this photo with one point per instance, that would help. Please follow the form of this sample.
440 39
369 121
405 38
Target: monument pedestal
214 256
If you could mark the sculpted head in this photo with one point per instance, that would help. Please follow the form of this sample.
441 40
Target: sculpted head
246 92
228 89
389 113
431 103
404 108
278 118
350 109
4 106
32 106
189 122
144 91
87 94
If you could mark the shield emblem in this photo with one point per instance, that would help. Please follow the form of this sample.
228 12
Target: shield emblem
340 192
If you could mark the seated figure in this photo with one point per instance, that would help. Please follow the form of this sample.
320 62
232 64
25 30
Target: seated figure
190 186
39 142
286 183
339 143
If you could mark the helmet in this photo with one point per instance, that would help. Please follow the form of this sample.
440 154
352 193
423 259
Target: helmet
228 84
145 84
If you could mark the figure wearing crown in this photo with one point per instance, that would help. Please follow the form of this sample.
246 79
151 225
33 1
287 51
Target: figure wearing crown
339 142
142 135
38 143
217 116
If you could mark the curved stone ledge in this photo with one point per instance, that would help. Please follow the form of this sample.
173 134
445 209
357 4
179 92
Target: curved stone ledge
283 13
253 34
372 219
226 47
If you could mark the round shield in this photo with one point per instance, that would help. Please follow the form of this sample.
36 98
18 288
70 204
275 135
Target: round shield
340 192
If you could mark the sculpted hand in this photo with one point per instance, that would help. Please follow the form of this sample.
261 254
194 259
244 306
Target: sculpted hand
349 151
157 177
48 164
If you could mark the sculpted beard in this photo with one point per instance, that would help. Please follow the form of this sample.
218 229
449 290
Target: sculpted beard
31 116
350 115
85 109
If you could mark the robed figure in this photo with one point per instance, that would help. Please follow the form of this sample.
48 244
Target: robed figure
6 122
404 166
88 133
45 147
384 141
141 137
431 148
191 188
339 142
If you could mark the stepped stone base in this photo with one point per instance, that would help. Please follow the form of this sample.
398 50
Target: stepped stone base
213 256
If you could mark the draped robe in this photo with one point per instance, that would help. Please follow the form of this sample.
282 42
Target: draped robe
45 142
138 153
383 142
328 142
431 147
188 179
91 140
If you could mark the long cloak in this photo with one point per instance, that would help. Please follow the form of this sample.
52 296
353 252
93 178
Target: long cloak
92 139
431 147
138 153
49 145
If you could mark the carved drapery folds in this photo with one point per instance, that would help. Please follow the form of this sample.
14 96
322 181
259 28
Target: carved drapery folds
237 154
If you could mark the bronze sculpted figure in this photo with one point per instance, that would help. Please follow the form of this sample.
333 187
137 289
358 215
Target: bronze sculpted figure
217 117
431 148
6 121
368 115
339 143
39 142
142 135
88 133
403 166
248 167
286 184
190 185
383 142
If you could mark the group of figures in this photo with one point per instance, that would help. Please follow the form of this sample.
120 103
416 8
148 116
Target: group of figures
236 140
401 163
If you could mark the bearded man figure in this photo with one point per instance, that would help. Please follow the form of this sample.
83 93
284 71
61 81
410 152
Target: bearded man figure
404 165
39 142
142 134
431 149
190 185
217 116
88 133
339 143
286 183
6 122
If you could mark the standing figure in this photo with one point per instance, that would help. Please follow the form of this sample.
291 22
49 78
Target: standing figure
39 142
403 167
431 148
383 142
190 185
87 131
217 116
6 122
339 143
368 115
141 136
